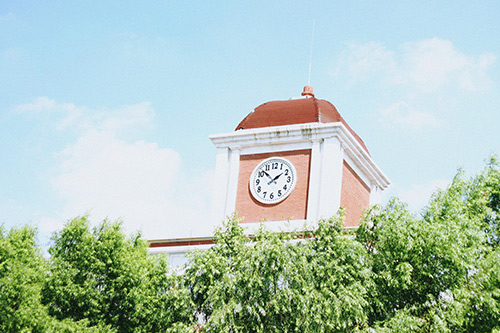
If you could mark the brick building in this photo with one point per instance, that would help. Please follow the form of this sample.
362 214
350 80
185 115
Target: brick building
288 163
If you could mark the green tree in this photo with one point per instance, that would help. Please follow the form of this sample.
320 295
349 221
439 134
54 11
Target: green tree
23 271
281 282
100 275
483 199
341 276
438 271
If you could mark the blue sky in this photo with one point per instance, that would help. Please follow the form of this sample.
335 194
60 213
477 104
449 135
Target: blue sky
106 106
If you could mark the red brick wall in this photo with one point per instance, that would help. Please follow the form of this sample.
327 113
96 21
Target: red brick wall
354 197
293 207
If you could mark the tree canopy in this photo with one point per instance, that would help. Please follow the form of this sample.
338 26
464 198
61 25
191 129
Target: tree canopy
438 270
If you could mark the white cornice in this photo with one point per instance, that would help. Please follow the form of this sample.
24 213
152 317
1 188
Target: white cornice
310 132
273 135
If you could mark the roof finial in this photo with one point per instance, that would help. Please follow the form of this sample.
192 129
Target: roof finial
308 91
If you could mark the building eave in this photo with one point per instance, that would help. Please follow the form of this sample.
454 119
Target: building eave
300 133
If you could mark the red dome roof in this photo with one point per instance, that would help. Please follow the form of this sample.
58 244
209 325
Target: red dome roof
295 111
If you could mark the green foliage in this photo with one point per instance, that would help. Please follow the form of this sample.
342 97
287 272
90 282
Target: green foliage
281 282
22 272
398 272
164 303
484 198
438 272
22 275
101 276
341 277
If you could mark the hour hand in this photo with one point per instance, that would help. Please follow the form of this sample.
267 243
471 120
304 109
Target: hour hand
274 179
268 175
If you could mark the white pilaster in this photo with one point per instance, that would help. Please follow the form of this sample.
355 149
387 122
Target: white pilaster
314 181
375 195
331 177
232 188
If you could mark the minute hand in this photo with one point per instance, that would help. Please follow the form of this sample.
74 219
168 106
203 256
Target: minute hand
274 179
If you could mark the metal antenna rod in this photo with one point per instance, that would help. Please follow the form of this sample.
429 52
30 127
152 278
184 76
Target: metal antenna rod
310 56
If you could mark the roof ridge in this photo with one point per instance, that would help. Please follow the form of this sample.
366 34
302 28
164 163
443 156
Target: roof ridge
317 108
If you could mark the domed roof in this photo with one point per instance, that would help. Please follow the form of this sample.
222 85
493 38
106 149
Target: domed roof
295 111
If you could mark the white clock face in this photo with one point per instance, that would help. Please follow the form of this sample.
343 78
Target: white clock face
273 180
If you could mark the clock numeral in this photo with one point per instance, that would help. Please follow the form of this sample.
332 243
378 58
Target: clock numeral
261 173
275 166
286 172
288 179
281 167
279 193
259 189
284 187
264 194
267 167
271 196
257 181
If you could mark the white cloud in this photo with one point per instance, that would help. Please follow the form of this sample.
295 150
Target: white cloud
364 60
111 178
419 74
418 196
426 65
433 63
84 119
102 174
140 183
404 114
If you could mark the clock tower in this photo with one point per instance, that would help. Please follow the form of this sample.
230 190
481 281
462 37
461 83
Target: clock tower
287 164
292 162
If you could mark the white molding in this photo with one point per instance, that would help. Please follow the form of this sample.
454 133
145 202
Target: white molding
358 171
363 160
257 140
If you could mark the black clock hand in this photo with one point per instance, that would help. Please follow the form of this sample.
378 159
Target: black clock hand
274 179
268 175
